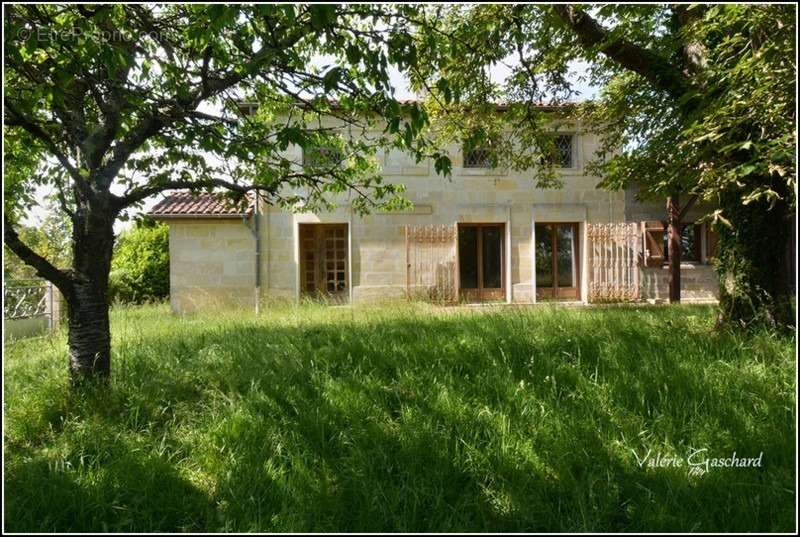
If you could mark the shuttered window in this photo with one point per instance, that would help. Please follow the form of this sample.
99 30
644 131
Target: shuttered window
657 243
654 243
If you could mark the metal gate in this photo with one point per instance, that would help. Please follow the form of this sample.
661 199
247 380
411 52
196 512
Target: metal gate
30 307
613 262
431 262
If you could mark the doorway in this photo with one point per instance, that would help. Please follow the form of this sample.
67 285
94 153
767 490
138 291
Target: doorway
323 261
557 261
481 262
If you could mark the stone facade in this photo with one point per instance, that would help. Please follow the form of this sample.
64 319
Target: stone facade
213 259
212 263
699 283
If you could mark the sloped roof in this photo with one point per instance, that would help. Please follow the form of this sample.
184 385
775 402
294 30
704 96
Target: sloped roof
247 105
188 205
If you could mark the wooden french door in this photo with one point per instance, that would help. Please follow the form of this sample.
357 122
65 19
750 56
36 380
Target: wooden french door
481 262
323 261
557 261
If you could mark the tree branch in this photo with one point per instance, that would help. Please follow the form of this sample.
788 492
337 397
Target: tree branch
638 59
692 52
19 119
44 268
145 192
686 208
183 106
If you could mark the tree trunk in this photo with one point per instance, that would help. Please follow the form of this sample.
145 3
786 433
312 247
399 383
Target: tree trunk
674 248
89 336
755 285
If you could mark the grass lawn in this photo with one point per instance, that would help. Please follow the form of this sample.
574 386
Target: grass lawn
404 418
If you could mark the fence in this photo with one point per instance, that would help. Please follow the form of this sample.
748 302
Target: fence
431 262
29 308
613 262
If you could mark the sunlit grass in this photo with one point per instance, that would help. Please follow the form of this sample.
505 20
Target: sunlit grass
403 418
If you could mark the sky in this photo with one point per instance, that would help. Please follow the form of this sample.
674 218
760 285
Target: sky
402 91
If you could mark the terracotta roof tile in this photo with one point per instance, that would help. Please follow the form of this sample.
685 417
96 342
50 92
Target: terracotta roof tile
186 204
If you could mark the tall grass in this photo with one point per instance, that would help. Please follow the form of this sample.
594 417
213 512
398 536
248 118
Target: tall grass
404 418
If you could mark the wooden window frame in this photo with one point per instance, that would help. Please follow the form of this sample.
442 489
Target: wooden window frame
481 293
555 292
340 295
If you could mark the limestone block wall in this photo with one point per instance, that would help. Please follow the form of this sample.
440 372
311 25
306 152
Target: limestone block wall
212 263
377 241
699 283
213 260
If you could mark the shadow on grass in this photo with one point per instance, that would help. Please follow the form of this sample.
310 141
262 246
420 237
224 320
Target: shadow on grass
123 489
498 422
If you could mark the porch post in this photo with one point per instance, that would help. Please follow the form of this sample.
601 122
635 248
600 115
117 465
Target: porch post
509 284
674 248
296 241
533 256
350 257
584 261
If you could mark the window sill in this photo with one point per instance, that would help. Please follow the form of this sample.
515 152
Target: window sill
569 171
687 265
482 172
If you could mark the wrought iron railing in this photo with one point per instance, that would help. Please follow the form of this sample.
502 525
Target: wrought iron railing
30 298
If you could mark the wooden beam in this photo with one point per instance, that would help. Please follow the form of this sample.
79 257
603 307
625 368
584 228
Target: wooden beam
674 248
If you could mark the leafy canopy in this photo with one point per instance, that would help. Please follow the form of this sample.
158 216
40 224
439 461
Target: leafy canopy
697 99
131 100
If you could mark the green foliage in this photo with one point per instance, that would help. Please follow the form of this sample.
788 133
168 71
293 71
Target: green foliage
733 127
694 99
404 419
151 69
140 266
50 239
117 103
20 164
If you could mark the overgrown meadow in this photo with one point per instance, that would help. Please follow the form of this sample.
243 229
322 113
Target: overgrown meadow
405 418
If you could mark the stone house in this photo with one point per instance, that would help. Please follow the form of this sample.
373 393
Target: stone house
484 235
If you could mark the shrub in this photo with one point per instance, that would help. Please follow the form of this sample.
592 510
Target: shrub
140 266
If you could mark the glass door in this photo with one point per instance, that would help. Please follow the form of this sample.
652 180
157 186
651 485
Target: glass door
481 262
557 274
323 261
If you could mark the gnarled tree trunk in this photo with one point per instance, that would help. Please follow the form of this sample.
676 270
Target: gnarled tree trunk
89 336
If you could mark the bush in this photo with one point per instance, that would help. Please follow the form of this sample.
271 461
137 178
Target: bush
140 266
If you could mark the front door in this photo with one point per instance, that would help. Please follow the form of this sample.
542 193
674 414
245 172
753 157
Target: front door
481 262
557 256
323 261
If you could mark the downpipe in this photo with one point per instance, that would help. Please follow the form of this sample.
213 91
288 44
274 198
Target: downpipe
254 230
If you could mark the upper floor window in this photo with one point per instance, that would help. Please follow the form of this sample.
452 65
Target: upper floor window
321 157
562 156
477 158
